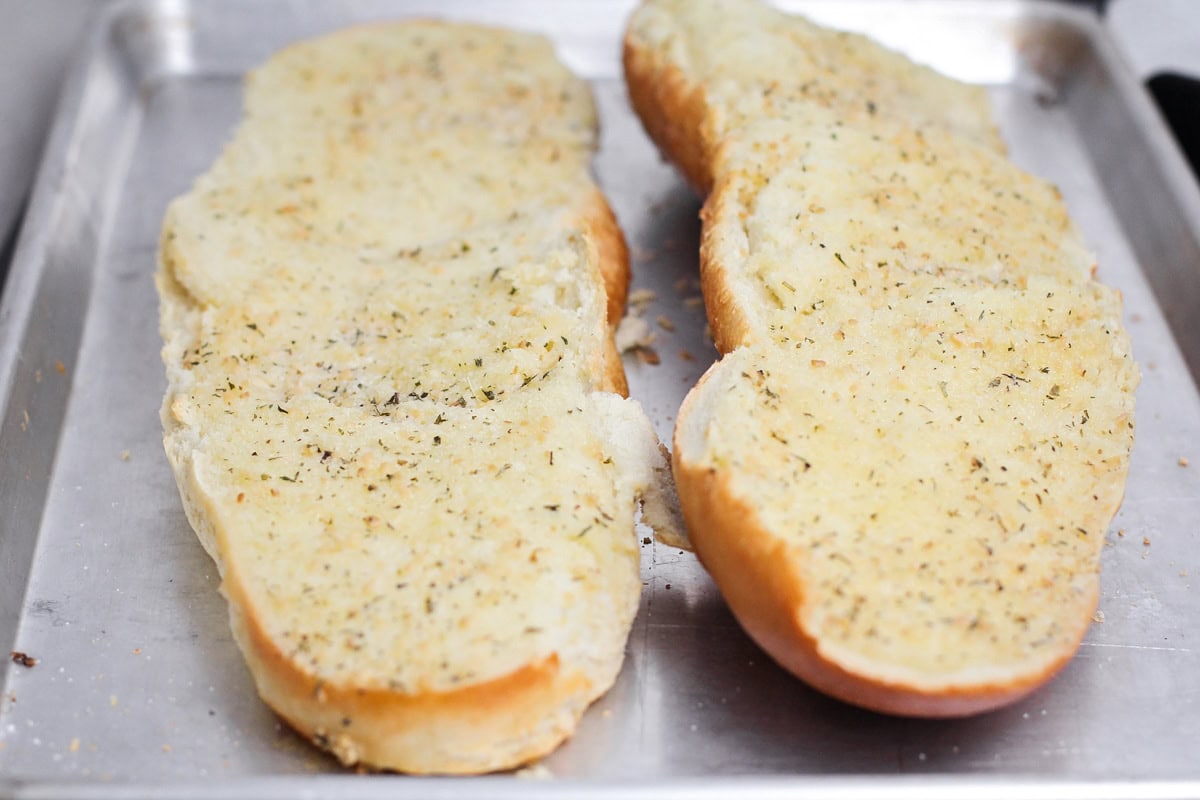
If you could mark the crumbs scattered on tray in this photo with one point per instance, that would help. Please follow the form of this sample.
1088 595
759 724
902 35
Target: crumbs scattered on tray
640 298
24 659
685 355
536 772
124 455
634 335
60 368
1183 462
648 355
633 332
1098 617
665 322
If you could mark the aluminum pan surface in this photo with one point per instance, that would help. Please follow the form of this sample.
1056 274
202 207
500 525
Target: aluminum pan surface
138 679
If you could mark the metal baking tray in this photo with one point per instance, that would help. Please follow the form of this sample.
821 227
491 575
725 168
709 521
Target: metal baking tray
138 688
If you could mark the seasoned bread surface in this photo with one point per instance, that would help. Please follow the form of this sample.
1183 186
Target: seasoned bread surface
901 472
722 65
392 407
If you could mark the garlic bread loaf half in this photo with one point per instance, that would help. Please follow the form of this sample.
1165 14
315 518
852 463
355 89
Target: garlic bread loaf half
901 471
395 409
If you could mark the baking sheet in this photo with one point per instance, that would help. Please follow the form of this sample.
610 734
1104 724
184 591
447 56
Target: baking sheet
138 687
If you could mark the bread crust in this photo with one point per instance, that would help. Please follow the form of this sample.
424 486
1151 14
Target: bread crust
760 579
529 711
612 256
673 111
726 320
453 733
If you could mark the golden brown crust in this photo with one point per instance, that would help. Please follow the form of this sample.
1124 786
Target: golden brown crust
611 251
529 711
759 577
430 732
673 111
726 321
614 370
612 255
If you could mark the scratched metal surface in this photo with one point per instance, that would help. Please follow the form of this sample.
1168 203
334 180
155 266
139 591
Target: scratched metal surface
138 685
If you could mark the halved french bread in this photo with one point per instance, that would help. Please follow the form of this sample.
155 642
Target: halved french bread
901 471
394 408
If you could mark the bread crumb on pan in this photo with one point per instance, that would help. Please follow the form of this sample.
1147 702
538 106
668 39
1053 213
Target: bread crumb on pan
640 298
536 772
633 332
647 355
22 658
